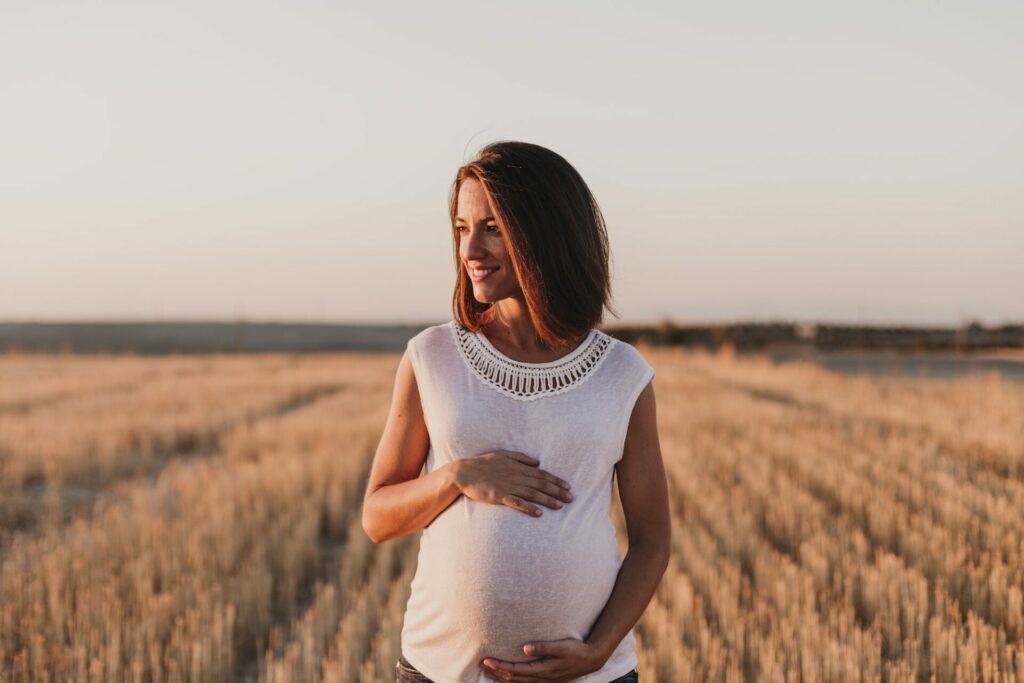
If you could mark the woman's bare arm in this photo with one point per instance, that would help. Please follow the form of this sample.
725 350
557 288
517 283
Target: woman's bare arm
398 501
643 490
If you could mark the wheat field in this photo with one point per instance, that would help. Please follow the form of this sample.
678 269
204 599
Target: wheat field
197 518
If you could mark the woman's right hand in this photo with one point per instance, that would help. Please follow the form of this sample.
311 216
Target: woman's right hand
510 478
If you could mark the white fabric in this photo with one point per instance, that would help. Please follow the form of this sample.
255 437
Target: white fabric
491 578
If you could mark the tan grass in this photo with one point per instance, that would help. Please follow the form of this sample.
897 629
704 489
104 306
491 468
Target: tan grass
826 527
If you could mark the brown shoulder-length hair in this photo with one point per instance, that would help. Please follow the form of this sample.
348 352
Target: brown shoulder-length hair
555 236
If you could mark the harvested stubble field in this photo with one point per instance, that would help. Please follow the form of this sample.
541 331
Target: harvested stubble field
197 519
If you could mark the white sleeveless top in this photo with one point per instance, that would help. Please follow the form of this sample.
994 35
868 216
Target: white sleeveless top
491 578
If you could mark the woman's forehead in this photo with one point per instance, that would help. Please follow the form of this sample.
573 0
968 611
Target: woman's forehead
473 198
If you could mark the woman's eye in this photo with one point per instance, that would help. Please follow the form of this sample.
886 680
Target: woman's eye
460 228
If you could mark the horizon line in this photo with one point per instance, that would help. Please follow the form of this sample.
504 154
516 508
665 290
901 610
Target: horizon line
398 322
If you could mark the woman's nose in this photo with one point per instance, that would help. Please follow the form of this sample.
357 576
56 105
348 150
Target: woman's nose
471 246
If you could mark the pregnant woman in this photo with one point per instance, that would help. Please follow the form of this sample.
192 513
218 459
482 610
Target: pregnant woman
506 427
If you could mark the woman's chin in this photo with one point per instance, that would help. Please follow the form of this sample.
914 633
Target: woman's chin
486 296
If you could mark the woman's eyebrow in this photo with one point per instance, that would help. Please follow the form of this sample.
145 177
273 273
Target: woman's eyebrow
486 218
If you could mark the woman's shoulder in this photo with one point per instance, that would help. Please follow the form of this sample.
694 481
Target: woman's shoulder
630 358
624 348
426 351
430 334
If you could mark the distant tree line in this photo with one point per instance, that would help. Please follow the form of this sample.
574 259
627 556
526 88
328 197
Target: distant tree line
260 337
751 336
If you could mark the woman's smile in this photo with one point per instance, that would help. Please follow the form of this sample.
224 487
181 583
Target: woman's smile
481 274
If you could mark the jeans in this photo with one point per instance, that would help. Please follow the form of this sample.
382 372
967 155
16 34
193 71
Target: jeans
407 673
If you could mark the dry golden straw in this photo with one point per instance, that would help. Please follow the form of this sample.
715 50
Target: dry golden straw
197 519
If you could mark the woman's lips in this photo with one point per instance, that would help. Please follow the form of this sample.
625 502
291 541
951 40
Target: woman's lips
480 274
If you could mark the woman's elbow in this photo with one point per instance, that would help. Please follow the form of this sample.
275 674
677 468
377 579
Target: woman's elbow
370 526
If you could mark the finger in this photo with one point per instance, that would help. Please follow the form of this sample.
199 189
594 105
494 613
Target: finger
513 679
549 479
494 670
536 496
519 504
554 479
544 475
551 489
503 675
538 668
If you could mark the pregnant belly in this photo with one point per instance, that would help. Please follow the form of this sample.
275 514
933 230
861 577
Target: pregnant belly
508 578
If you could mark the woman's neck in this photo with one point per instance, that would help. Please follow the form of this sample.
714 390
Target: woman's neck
508 321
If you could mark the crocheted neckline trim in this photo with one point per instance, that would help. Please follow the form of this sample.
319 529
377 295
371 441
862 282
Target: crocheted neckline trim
529 381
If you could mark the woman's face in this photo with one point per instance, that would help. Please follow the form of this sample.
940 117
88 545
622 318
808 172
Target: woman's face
482 246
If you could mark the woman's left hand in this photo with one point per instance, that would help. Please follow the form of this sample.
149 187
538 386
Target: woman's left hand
560 660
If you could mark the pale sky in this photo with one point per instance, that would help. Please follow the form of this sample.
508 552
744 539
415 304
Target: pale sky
857 162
